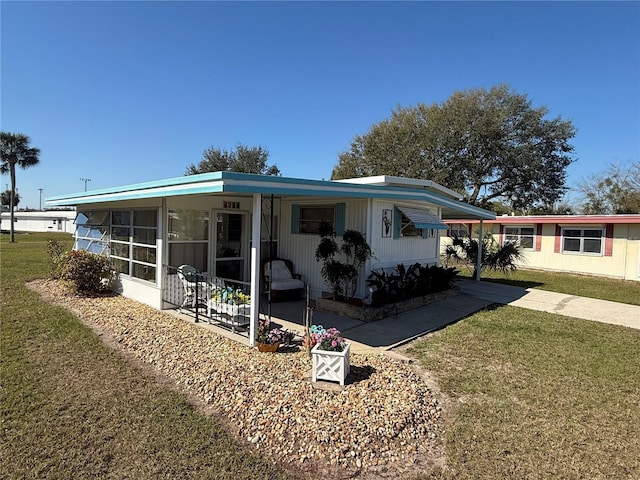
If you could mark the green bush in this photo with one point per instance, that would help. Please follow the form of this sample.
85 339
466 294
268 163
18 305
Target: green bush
56 251
86 272
403 283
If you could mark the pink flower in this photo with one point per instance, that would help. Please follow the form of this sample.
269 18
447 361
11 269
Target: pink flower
334 344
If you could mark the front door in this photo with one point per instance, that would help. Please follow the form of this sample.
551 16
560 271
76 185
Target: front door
231 246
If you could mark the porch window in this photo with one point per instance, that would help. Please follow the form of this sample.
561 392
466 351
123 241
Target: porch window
189 238
92 231
587 241
133 242
524 236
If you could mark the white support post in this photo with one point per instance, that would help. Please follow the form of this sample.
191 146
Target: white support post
479 260
255 268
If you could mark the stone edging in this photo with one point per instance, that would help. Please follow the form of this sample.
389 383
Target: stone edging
372 314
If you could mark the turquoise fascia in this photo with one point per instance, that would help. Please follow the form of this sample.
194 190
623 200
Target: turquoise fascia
245 183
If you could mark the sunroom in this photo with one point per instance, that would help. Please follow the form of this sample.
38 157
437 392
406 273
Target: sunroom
226 224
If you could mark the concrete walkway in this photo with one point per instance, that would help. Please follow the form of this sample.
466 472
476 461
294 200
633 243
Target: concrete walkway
391 332
552 302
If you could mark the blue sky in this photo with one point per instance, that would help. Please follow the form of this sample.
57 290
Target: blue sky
126 92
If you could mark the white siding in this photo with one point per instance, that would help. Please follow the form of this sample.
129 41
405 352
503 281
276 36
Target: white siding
301 248
365 216
390 251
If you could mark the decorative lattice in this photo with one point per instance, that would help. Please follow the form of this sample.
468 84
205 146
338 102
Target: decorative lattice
331 366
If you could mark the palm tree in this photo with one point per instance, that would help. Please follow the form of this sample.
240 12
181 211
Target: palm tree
15 150
495 257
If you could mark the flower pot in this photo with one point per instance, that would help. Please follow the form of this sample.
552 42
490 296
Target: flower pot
331 366
268 347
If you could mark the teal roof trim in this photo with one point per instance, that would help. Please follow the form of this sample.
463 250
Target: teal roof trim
243 183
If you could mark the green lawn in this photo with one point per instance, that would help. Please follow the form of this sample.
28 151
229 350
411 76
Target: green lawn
526 394
536 395
74 408
624 291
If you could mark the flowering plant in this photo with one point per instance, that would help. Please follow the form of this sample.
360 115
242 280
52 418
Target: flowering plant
230 296
269 335
330 340
310 339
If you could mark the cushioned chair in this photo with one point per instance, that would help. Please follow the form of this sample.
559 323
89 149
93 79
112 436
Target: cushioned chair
279 277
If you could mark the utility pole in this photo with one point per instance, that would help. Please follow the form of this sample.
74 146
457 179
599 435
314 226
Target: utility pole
85 180
40 190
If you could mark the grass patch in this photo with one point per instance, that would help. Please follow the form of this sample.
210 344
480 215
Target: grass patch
623 291
537 395
74 408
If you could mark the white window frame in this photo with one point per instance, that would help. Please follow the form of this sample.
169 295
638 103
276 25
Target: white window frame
517 237
582 239
174 239
408 228
132 245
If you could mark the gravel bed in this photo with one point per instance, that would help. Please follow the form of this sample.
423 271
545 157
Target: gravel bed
385 420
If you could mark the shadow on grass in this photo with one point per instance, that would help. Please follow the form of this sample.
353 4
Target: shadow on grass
515 283
506 281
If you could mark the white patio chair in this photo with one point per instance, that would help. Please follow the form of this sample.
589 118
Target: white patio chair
195 292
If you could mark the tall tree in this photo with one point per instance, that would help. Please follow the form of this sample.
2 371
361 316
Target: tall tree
617 190
242 159
5 199
15 150
488 144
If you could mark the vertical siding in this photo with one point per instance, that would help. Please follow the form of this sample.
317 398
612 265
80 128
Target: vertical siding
389 251
301 248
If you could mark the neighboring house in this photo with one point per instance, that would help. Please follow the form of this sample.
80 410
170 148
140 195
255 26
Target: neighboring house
224 223
605 245
46 221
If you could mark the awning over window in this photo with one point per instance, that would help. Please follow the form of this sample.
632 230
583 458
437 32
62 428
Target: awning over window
423 218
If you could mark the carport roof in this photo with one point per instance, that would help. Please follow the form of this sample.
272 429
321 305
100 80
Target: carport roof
248 184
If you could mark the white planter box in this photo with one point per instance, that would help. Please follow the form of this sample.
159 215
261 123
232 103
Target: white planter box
228 314
331 366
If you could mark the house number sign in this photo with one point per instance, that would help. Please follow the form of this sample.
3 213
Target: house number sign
228 204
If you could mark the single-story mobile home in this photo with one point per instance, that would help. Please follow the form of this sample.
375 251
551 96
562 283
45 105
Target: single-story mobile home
225 223
47 221
606 245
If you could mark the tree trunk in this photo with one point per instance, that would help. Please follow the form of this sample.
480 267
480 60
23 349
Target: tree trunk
12 169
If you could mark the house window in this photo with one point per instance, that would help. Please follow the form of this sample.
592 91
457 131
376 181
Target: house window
458 230
312 216
524 236
307 218
588 241
408 228
133 242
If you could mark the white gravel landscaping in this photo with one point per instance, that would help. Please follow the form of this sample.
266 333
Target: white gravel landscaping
385 420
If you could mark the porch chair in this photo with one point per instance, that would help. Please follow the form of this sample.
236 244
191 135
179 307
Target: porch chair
280 278
188 275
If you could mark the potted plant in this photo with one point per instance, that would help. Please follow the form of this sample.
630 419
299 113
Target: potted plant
269 339
330 356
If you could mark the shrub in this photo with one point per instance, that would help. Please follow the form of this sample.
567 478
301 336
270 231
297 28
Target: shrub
86 272
495 257
403 283
56 251
341 275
